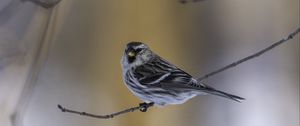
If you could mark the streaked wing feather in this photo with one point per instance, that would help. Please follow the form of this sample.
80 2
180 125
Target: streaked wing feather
154 78
160 71
202 88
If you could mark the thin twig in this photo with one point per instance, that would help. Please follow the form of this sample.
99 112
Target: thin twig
290 36
45 3
142 107
189 1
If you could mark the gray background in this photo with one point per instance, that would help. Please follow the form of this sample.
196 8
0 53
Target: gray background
78 64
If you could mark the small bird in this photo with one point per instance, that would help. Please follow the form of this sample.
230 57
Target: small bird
155 80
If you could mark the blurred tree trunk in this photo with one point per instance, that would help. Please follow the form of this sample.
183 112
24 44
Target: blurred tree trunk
23 48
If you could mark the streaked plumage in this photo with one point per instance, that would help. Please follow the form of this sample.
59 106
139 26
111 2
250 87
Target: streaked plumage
154 79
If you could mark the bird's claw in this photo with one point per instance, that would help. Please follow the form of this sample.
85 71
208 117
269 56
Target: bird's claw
144 106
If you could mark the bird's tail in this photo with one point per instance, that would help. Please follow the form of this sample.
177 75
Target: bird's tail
213 91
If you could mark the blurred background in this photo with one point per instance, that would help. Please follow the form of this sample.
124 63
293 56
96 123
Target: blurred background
70 55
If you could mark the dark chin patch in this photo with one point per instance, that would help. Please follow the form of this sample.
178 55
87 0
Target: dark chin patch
130 59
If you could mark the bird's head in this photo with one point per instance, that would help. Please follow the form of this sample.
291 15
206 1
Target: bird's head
136 54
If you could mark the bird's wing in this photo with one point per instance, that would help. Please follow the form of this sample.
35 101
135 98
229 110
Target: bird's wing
160 71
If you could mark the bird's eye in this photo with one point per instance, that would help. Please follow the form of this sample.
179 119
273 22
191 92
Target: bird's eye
131 54
138 50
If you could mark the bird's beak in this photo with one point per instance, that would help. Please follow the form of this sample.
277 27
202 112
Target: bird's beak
131 54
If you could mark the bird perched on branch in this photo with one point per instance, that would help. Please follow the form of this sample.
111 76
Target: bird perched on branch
155 80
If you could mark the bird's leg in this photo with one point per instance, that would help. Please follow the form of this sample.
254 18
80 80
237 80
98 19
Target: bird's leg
144 106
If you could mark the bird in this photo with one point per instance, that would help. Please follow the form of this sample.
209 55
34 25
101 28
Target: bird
155 80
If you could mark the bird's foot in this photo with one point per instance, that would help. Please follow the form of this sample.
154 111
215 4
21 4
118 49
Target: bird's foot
144 106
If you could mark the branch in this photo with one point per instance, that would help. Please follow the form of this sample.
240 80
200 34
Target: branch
45 3
142 107
189 1
290 36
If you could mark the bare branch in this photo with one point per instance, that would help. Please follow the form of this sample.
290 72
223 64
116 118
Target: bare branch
290 36
189 1
142 107
45 3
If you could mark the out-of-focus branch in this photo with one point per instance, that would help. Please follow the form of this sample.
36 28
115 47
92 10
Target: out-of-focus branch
142 107
290 36
45 3
189 1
